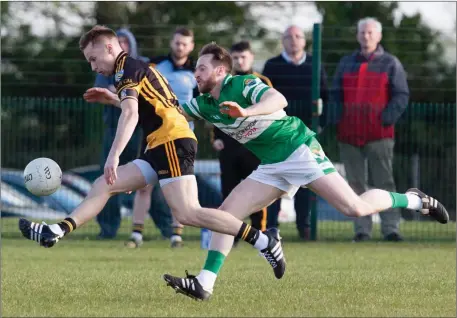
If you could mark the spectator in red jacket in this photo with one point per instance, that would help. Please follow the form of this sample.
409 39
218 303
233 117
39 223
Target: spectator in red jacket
369 94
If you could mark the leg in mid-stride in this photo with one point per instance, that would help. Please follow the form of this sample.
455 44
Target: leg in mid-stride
304 167
129 178
249 196
180 191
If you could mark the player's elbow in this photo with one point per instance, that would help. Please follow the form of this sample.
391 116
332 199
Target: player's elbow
282 101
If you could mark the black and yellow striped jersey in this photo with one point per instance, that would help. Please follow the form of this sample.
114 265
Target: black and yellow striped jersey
159 115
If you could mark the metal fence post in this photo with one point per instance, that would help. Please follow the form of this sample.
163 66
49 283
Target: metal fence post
317 110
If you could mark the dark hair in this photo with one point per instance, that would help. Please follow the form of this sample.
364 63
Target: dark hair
241 47
93 34
184 32
220 55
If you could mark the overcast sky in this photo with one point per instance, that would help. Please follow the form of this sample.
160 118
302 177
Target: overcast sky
439 15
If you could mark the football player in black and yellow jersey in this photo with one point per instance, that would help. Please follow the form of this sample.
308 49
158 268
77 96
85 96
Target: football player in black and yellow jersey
145 97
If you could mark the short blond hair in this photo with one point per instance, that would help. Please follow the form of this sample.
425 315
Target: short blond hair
94 34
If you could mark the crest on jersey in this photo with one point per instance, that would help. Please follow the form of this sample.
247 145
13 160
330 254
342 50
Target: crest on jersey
249 81
119 75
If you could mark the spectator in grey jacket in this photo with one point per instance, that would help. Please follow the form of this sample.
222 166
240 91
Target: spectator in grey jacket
369 94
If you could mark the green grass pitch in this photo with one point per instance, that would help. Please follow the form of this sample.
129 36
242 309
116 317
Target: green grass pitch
82 277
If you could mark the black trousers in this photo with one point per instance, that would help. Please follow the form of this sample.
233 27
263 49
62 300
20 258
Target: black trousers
237 163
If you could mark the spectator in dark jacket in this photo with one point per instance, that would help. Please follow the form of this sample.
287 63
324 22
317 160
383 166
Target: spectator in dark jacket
369 95
291 74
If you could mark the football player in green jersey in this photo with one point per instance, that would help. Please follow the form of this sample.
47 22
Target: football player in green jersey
291 157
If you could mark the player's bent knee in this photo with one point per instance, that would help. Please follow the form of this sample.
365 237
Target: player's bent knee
184 219
190 216
146 191
355 210
100 185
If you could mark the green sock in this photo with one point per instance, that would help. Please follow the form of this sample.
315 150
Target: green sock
214 261
399 200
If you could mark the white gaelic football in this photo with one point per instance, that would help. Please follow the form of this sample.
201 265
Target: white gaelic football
42 176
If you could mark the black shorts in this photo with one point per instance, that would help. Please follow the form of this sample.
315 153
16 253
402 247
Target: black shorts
172 159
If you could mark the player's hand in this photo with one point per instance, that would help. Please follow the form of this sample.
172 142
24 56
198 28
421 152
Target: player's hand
232 109
110 171
100 95
218 145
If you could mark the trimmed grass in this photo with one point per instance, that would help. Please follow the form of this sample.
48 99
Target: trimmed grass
82 277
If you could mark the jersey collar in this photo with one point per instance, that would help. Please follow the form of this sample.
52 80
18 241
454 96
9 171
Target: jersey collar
119 58
227 79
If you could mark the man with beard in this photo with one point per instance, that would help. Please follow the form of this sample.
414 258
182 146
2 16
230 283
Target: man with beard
291 157
236 162
178 68
251 112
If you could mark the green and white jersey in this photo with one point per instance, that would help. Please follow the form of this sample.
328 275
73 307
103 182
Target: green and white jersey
272 138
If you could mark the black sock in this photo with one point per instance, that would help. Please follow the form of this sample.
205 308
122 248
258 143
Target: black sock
248 234
68 225
138 228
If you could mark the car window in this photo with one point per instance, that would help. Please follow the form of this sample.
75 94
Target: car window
11 197
79 183
67 198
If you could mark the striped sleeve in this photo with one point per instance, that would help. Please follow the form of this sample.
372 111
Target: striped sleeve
192 109
126 76
253 89
128 93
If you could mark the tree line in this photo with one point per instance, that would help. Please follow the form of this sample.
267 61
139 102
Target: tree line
53 65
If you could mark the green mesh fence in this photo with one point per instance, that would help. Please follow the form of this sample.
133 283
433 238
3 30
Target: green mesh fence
71 131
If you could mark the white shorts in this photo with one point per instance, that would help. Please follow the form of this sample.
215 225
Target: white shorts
150 175
305 165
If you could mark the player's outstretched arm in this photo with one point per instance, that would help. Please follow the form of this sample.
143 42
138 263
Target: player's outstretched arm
270 102
125 128
183 111
102 96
